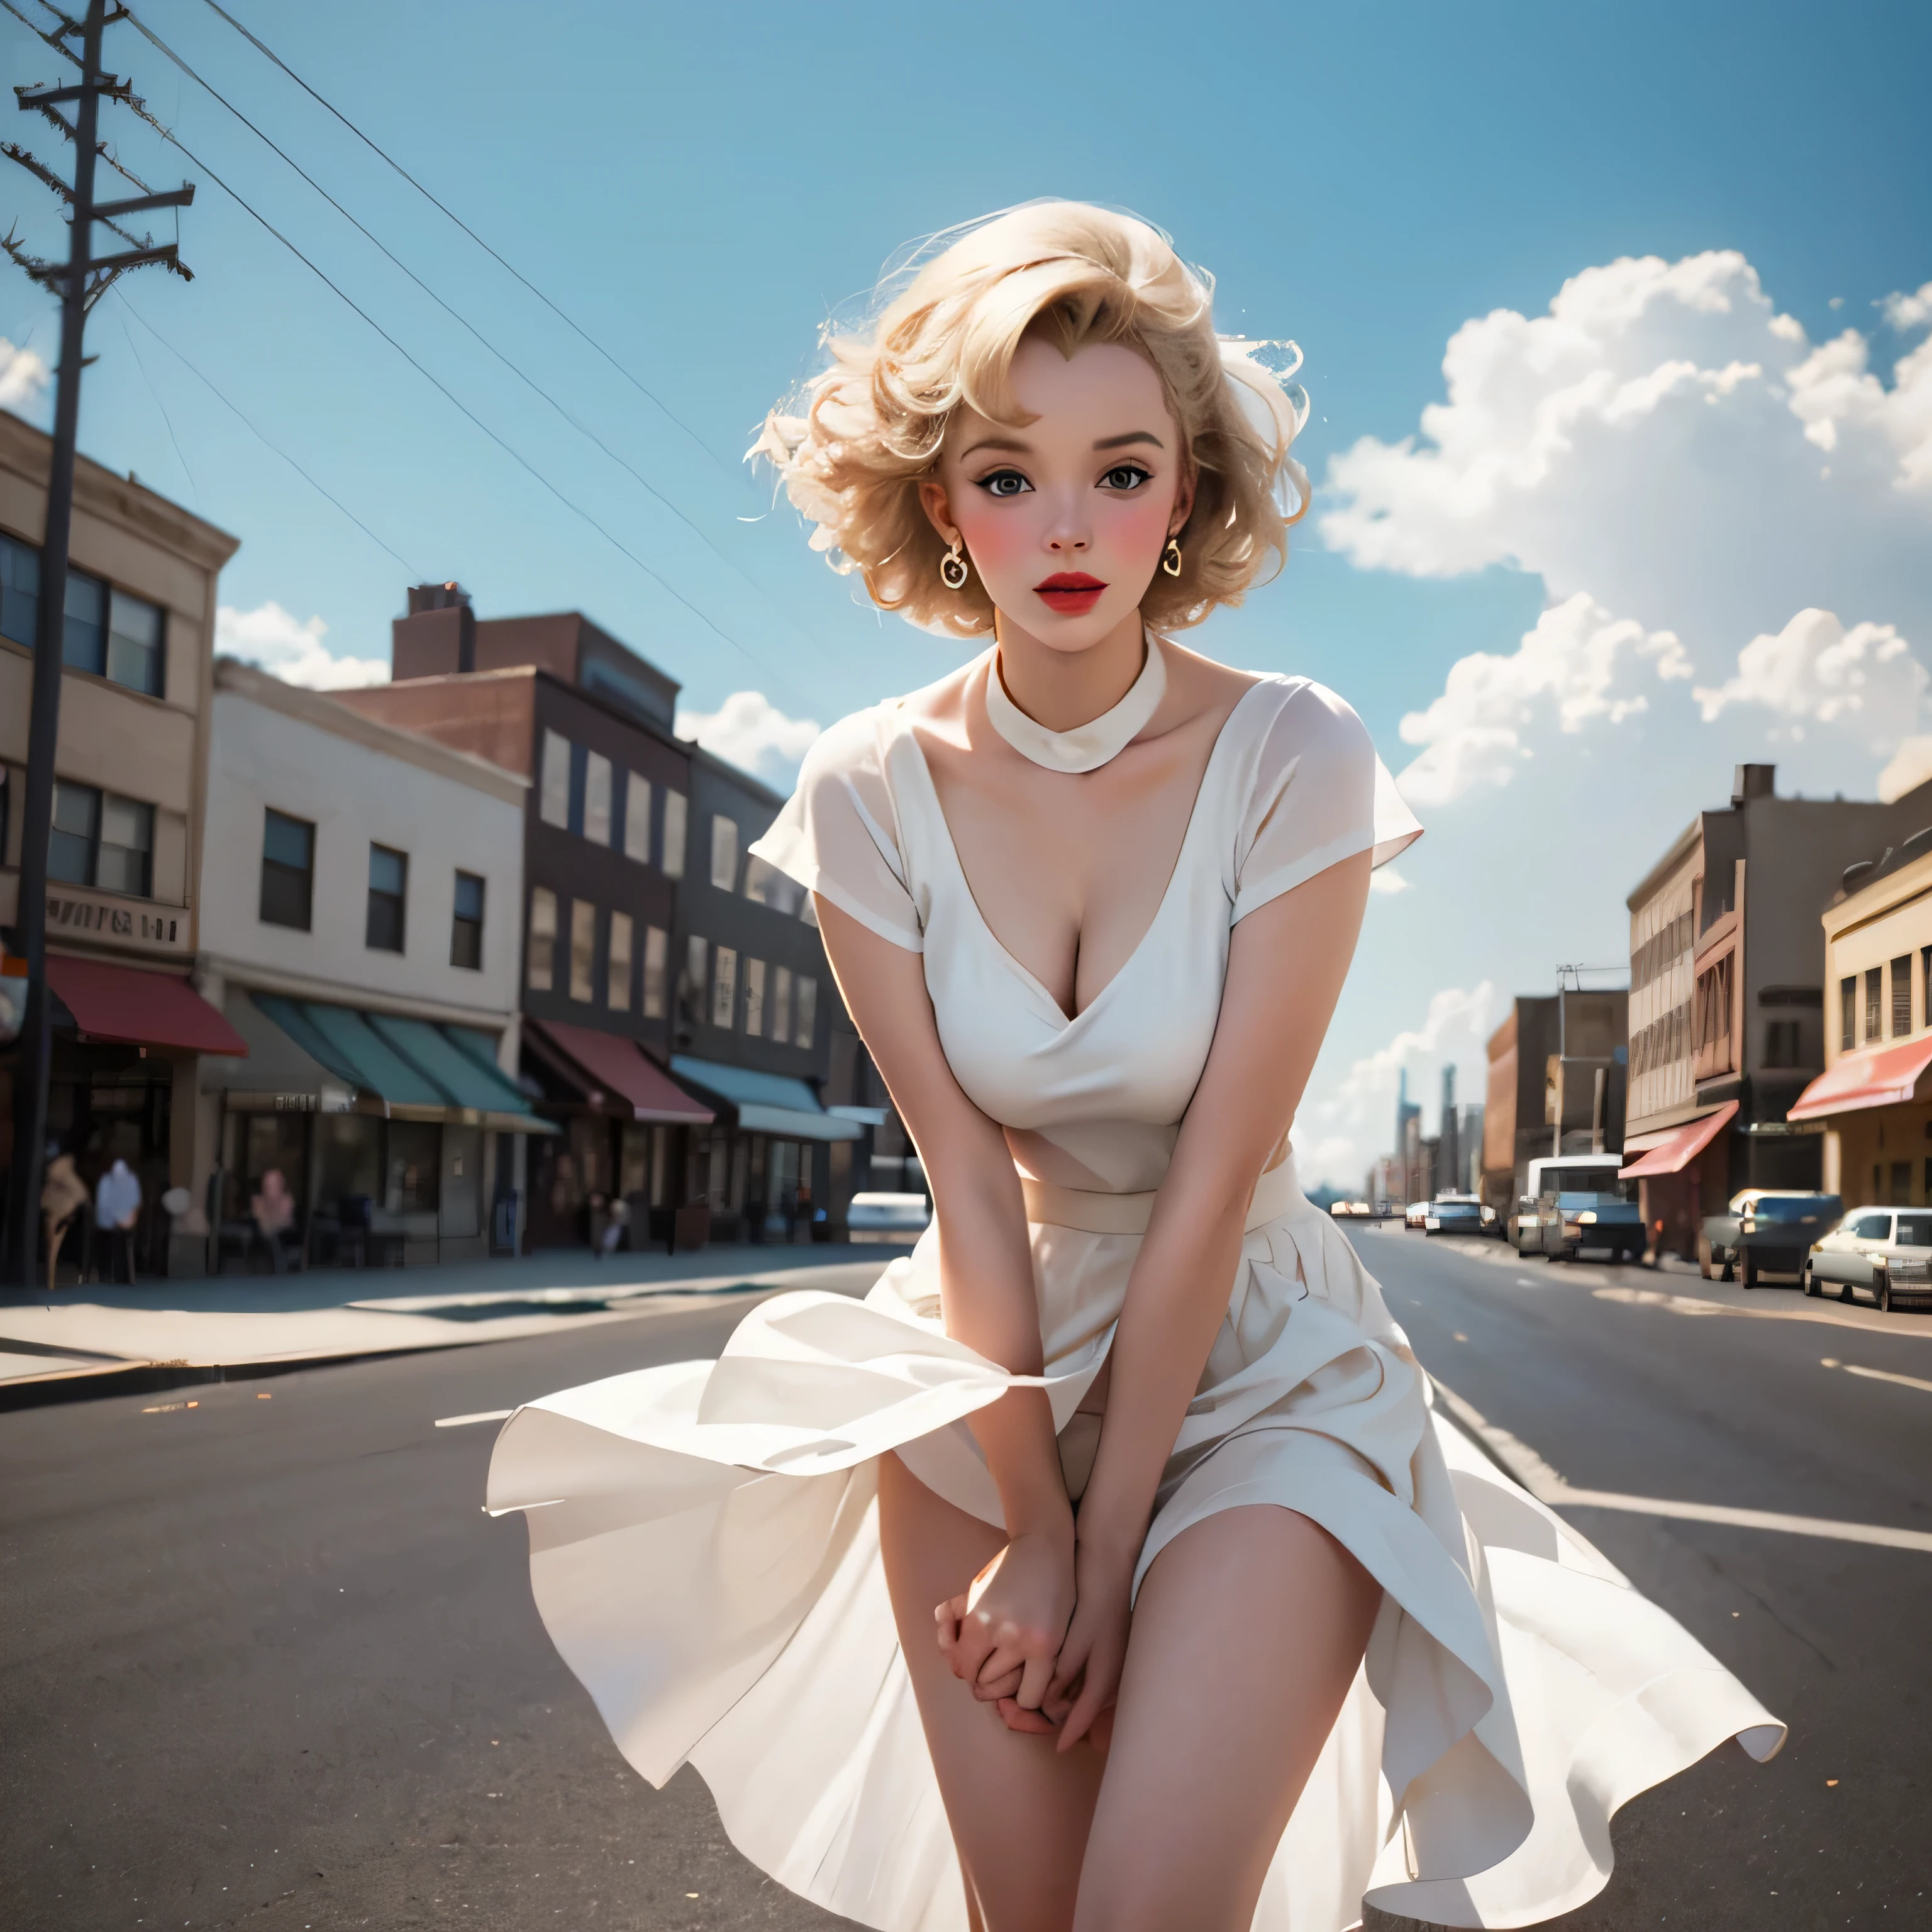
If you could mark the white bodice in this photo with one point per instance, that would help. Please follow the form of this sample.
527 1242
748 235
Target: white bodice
1094 1101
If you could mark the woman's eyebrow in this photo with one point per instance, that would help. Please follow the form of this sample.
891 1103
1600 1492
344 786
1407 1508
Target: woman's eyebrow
1132 436
1012 443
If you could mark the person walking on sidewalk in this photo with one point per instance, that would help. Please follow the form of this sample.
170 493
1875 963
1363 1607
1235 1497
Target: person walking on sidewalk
63 1195
117 1207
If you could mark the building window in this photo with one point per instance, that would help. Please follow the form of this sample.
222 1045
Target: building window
288 870
582 949
1780 1044
20 592
755 998
597 799
617 977
541 969
1848 1014
724 988
781 1002
690 994
136 634
672 864
102 840
465 930
84 626
553 805
389 884
1901 996
724 852
807 1010
637 818
657 945
1874 1000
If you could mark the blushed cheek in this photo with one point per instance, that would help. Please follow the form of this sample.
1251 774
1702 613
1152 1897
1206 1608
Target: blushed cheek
999 541
1137 531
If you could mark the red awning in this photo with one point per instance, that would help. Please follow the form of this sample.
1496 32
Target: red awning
1880 1079
133 1008
620 1065
1683 1146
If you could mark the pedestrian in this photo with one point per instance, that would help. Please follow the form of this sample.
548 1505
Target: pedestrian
617 1220
117 1208
273 1210
1090 899
63 1195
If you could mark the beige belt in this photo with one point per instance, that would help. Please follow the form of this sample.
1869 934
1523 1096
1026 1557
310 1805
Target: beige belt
1276 1193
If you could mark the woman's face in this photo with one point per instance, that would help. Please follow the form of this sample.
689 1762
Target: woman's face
1066 519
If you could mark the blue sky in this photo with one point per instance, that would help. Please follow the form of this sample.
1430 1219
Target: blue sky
699 186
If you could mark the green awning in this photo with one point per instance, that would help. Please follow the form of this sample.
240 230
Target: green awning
767 1103
412 1067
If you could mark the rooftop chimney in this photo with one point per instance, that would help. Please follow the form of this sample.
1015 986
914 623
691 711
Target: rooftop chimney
1749 781
439 635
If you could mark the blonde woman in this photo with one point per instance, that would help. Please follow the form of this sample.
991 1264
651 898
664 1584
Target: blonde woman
1106 1568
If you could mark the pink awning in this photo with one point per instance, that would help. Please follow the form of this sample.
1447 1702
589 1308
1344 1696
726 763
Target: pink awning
618 1065
1683 1147
1880 1079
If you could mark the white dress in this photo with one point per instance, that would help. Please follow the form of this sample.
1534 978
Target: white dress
704 1537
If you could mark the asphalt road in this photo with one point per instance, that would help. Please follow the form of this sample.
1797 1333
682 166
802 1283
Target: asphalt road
266 1662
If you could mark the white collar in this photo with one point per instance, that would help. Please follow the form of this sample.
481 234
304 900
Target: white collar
1089 746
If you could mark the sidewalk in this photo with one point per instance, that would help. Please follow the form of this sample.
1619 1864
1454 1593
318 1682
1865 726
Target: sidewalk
95 1339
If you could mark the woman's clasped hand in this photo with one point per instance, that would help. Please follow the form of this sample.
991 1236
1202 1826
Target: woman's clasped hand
1041 1632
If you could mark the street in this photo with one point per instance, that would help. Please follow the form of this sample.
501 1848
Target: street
266 1662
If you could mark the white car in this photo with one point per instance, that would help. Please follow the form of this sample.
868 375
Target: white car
897 1218
1884 1251
1417 1215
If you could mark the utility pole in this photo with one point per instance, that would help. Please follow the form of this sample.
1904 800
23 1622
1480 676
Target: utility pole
79 284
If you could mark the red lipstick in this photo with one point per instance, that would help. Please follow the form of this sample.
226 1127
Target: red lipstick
1072 592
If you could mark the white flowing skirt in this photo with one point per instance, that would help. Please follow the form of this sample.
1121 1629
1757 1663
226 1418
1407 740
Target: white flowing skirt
704 1552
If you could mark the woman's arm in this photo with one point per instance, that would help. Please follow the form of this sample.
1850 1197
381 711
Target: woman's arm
1020 1608
1286 963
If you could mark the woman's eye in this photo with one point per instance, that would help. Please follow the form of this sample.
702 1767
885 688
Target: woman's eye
1004 483
1125 476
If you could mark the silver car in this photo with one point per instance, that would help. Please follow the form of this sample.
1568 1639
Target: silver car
1883 1251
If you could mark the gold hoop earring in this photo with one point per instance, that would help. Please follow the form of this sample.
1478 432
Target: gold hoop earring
953 568
1170 558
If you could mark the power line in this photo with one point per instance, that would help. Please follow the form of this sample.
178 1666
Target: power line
509 449
261 437
455 314
262 47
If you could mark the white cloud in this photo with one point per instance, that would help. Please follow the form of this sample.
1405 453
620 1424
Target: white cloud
749 731
1578 664
270 637
1387 879
23 377
1815 668
1904 312
1667 441
1337 1134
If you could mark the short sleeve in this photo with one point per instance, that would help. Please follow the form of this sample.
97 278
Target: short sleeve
838 834
1319 795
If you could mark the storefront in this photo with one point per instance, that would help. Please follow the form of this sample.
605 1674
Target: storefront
625 1125
1875 1109
1682 1173
764 1168
394 1138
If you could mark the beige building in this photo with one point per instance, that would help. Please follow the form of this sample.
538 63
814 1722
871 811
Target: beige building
131 774
1874 1099
1729 996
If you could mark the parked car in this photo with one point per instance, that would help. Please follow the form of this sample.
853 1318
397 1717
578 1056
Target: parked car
898 1218
1537 1226
1416 1214
1884 1251
1343 1210
1767 1230
1458 1214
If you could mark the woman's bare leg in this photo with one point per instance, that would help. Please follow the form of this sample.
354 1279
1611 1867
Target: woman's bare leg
1019 1809
1246 1637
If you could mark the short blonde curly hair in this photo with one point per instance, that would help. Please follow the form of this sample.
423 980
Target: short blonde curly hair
853 446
